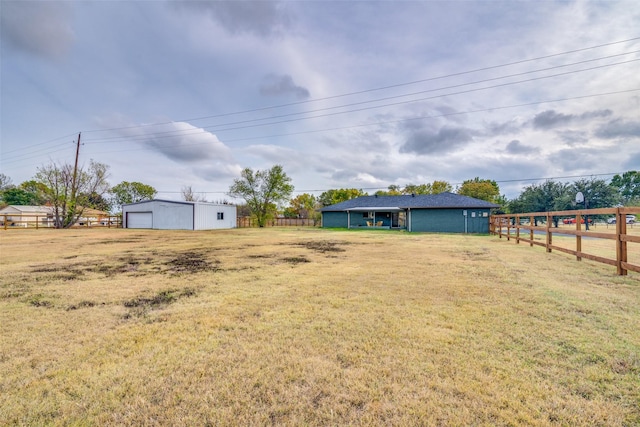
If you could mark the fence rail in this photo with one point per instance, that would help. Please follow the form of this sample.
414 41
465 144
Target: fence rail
17 221
10 221
512 225
248 222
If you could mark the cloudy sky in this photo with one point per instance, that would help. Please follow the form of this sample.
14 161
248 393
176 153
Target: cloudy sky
342 94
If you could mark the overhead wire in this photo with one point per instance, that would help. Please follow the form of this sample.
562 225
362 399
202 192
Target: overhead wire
461 73
359 92
380 123
377 123
223 127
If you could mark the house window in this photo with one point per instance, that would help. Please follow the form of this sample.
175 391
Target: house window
220 215
367 215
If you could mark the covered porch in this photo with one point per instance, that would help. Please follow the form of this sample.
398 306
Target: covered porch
380 218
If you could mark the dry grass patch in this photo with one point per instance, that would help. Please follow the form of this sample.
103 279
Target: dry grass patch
311 327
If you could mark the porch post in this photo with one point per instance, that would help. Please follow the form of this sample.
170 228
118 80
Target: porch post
348 219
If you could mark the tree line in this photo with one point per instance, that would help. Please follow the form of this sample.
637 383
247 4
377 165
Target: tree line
267 193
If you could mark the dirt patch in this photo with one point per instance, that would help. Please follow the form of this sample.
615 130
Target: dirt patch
40 300
154 262
296 260
190 262
59 272
323 246
140 306
118 241
475 254
82 304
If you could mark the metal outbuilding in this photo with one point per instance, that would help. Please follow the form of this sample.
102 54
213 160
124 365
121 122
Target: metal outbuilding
176 215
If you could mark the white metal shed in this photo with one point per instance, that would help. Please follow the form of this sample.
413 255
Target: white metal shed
173 215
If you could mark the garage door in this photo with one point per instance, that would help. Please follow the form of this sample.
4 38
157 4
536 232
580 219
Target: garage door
139 220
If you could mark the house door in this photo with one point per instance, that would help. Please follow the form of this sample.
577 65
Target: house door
399 220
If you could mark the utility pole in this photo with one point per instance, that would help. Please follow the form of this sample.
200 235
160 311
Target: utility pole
74 186
75 169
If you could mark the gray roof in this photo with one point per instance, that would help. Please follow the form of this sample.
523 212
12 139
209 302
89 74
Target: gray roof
418 201
178 202
29 209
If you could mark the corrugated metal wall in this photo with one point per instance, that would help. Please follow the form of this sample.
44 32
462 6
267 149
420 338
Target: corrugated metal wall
212 217
168 215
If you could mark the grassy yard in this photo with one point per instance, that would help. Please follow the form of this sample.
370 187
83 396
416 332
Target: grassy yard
311 327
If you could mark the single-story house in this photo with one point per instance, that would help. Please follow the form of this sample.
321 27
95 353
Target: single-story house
18 215
444 213
24 216
176 215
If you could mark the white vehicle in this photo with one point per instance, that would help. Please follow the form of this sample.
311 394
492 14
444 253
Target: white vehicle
630 219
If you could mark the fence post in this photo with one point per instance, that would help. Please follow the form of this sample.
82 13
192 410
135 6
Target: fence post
531 222
578 238
621 246
518 229
5 221
549 238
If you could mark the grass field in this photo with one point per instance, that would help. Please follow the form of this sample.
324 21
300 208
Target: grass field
311 327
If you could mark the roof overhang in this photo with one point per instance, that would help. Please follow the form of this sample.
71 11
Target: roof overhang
376 209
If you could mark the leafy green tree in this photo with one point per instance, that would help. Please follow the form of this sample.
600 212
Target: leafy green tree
37 190
416 189
131 192
99 202
290 212
331 197
483 189
68 190
263 191
30 193
438 187
597 193
17 196
549 196
392 190
545 197
303 206
628 185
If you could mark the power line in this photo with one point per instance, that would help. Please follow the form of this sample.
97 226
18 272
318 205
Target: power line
393 121
219 128
378 123
351 93
376 89
41 143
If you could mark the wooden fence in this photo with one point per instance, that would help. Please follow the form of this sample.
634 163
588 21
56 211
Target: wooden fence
18 221
512 225
248 222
